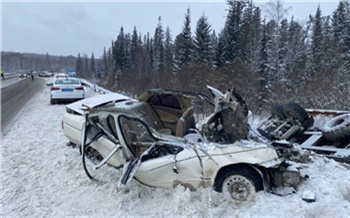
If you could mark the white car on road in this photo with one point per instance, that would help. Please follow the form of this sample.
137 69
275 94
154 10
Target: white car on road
65 89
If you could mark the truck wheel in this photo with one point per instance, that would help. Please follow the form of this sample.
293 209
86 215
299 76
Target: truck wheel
337 129
277 112
296 112
241 184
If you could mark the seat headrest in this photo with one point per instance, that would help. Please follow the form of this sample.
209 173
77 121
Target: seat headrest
188 112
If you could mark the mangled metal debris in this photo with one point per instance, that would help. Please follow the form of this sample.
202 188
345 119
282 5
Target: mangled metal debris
293 124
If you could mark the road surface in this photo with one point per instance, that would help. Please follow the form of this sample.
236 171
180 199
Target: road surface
15 92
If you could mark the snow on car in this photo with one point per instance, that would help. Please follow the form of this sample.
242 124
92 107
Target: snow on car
66 89
154 140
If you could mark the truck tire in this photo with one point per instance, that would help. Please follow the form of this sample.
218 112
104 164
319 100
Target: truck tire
277 112
297 113
337 129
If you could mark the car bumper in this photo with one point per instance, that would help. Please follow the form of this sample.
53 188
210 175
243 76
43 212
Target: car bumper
70 96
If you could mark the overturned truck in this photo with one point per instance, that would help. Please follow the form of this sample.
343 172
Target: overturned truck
295 125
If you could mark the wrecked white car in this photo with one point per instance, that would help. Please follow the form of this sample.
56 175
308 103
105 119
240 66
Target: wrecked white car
155 141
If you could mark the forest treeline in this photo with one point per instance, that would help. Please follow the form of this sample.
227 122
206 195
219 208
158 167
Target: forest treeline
269 58
14 61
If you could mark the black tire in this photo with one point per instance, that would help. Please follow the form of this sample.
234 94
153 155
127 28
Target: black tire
296 112
337 129
52 101
240 183
277 112
308 123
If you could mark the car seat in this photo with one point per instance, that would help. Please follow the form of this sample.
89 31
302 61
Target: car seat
185 122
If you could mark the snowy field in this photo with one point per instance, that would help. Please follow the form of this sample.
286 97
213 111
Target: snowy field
42 177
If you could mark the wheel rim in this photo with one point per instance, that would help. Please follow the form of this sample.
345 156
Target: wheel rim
238 187
93 155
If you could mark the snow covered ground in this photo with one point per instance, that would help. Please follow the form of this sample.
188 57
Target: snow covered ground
42 177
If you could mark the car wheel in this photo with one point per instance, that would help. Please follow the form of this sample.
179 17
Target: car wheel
241 184
93 155
337 129
52 101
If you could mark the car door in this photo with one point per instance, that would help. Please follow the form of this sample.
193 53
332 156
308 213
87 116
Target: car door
156 162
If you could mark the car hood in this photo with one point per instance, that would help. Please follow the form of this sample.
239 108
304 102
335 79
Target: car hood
95 101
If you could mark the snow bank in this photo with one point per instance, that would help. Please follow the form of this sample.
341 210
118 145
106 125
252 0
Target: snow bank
42 177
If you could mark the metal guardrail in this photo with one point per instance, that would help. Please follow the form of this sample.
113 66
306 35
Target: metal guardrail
95 87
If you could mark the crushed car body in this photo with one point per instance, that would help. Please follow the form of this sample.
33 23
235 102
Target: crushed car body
156 141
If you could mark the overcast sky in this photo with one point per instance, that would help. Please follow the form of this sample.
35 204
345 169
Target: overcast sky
68 28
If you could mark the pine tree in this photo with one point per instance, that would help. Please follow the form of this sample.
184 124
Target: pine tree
233 30
272 51
341 28
105 64
251 31
120 52
93 66
202 51
168 52
317 40
134 49
47 62
184 43
158 49
79 68
86 67
296 55
283 50
219 56
178 51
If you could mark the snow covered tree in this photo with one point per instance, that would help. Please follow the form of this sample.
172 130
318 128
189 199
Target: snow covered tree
214 44
317 40
184 43
47 62
272 51
296 55
341 28
233 33
168 52
251 30
202 51
283 50
79 67
119 51
93 66
219 52
158 49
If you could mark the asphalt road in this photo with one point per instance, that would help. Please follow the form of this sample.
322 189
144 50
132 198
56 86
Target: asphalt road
15 92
